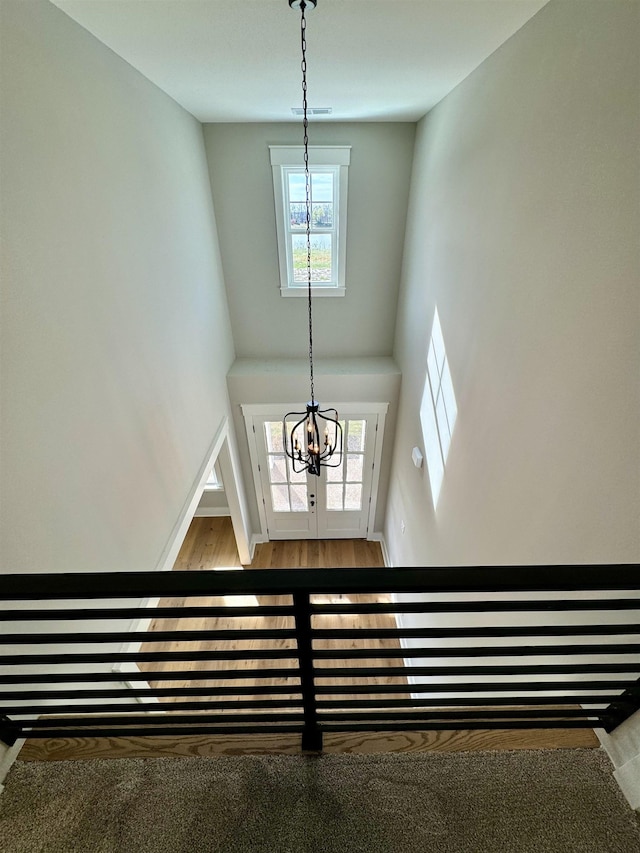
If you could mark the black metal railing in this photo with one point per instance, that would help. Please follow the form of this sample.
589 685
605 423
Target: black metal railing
497 648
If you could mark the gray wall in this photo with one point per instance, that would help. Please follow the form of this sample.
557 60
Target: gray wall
115 341
266 325
523 230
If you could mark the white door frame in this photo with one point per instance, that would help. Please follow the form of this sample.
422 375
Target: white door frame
276 411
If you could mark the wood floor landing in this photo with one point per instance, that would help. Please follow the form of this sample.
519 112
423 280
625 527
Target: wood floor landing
210 544
64 749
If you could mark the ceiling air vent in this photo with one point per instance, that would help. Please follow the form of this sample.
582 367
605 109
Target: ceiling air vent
312 111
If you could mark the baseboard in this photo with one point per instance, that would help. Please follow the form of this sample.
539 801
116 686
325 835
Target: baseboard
212 512
379 537
257 539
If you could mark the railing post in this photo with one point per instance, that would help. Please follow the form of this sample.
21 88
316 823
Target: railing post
312 733
9 730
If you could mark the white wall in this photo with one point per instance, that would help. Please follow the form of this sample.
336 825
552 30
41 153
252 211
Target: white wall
115 340
523 230
266 325
213 502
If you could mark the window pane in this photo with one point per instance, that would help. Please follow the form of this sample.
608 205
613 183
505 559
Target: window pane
280 498
297 187
354 467
298 215
299 498
277 469
213 482
321 186
334 497
353 496
321 253
334 475
356 435
273 435
321 215
300 477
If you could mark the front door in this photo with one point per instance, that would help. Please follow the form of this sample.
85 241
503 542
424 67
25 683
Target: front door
335 505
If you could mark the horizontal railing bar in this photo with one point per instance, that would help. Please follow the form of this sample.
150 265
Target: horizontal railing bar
525 669
187 612
477 631
320 689
149 636
365 704
176 731
462 715
92 585
149 657
161 719
327 654
144 613
534 605
471 687
480 651
162 675
135 708
323 673
126 692
187 636
444 726
165 717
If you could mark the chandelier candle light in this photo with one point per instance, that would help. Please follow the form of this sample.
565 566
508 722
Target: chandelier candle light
315 441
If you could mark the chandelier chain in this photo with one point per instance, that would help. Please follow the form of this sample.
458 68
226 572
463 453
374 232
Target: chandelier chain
306 444
307 179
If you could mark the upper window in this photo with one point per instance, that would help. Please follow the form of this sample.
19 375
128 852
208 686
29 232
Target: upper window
328 200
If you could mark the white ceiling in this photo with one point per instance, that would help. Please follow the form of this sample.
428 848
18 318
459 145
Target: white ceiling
239 60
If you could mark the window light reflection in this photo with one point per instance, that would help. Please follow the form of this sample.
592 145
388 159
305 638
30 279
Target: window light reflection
438 409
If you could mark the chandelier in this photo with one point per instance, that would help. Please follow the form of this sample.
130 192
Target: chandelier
315 440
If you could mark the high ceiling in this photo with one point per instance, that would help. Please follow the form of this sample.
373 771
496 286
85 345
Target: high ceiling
239 60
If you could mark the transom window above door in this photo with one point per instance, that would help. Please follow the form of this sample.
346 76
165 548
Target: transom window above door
328 172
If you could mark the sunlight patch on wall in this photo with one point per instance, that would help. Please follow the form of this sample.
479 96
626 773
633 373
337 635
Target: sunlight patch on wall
438 409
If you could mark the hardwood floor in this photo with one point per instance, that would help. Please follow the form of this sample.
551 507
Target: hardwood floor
210 544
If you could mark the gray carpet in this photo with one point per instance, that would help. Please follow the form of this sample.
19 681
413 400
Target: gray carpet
488 802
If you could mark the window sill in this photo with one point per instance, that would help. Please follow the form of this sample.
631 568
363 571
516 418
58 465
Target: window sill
315 291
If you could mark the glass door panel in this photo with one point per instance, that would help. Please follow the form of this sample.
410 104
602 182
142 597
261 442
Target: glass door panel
290 513
344 494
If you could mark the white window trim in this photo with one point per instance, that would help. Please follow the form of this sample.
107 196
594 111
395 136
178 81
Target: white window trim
214 480
283 156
